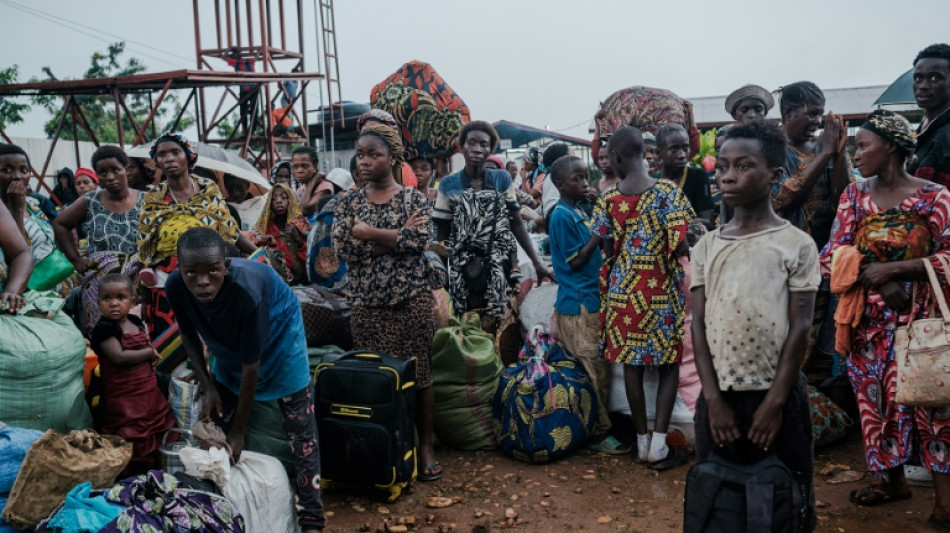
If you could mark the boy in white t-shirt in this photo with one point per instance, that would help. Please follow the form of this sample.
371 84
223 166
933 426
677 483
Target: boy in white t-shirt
754 284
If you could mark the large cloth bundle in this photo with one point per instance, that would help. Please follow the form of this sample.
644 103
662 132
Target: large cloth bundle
644 108
465 374
429 112
326 317
157 502
42 358
546 404
55 464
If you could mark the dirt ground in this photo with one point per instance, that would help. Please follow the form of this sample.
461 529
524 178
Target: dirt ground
593 492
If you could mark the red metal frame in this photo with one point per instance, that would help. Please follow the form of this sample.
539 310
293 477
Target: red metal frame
258 140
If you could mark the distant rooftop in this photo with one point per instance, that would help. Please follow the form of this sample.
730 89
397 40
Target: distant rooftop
853 103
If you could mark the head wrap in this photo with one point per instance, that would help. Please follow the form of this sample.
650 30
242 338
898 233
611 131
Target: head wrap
376 115
83 171
267 213
648 137
533 155
172 136
497 160
390 136
892 127
341 178
275 168
755 92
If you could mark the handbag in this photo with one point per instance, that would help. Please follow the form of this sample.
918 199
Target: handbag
51 270
922 350
477 270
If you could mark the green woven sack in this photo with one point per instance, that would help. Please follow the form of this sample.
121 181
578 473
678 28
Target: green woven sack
465 374
42 357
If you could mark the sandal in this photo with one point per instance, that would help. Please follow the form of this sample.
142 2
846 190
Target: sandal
610 446
673 459
434 470
874 496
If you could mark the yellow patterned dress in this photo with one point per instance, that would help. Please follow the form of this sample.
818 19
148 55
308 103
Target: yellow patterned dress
642 302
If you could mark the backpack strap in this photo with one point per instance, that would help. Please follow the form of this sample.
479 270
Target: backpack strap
700 499
759 498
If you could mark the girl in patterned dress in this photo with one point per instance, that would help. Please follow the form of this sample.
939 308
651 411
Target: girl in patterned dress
893 220
643 223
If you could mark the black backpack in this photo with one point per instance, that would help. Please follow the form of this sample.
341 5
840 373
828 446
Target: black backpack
723 496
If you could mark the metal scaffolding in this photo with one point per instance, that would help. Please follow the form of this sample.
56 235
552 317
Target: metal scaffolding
248 98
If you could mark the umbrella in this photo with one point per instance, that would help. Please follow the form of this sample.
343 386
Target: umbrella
899 92
215 158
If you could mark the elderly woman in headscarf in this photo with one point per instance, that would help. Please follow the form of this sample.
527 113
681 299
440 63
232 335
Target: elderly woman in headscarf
381 231
181 202
283 229
884 227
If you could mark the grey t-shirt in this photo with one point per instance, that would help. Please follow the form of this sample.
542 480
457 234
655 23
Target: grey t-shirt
747 282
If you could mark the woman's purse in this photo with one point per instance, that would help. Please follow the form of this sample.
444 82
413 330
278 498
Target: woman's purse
53 269
476 271
922 350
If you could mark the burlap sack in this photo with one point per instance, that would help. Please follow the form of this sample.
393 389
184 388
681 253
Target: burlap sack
55 464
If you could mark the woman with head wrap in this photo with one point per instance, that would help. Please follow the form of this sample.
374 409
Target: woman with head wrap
181 202
381 231
888 223
748 103
404 175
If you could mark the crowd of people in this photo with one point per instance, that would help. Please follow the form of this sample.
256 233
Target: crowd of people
752 249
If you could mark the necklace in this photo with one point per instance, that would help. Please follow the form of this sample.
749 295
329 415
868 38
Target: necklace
172 193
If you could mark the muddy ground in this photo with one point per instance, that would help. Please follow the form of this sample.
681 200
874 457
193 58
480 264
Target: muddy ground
594 492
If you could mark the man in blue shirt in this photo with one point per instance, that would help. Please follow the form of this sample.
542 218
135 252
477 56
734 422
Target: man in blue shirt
575 256
250 320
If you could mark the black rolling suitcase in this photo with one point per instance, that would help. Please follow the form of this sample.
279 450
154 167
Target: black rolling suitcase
365 406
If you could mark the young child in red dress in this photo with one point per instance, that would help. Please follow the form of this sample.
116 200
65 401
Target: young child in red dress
131 404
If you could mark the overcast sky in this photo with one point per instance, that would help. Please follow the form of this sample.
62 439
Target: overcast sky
537 62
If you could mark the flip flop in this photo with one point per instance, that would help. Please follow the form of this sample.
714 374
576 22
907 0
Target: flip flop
674 458
942 524
433 473
877 496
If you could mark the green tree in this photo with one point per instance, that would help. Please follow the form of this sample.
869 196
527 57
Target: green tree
99 110
11 110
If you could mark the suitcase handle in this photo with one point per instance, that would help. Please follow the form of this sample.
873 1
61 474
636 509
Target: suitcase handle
368 356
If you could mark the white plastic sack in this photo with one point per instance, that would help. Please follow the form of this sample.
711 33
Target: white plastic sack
682 418
213 464
259 489
538 306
